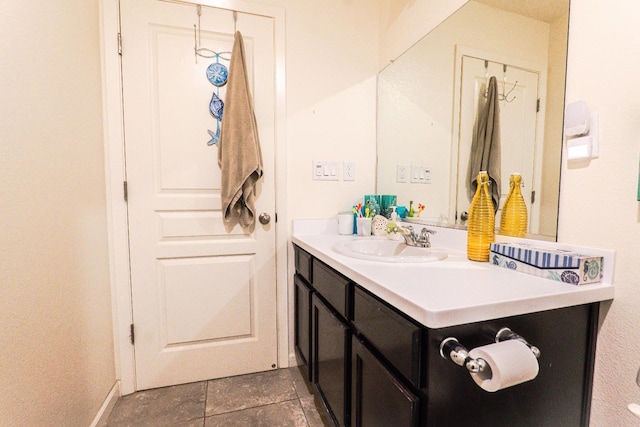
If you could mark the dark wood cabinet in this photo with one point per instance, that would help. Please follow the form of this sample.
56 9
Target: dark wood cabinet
378 397
331 360
372 365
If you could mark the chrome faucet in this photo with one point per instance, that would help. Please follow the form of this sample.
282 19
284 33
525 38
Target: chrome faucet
411 238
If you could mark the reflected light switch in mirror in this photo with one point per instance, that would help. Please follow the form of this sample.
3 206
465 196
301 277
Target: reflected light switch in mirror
420 174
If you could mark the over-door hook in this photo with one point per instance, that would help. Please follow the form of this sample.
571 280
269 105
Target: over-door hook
504 96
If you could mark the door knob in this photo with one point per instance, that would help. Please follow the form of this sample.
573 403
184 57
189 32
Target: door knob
264 218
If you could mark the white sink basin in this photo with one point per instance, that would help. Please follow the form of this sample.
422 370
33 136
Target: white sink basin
385 250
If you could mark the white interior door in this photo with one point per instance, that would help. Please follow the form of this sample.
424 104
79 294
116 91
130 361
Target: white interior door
204 298
518 123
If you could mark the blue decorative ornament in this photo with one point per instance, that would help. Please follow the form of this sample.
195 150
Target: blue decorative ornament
216 106
217 74
215 137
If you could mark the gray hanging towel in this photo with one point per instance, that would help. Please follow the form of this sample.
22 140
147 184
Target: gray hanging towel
239 155
485 145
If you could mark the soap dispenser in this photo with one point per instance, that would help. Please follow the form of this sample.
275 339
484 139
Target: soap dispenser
394 215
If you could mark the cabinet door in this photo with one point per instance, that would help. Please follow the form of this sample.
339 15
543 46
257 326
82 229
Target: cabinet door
302 325
378 397
331 360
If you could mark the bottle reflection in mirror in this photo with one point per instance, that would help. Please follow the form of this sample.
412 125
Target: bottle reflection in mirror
514 220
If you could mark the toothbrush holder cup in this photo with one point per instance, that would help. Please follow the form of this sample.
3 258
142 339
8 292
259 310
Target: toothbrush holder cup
363 225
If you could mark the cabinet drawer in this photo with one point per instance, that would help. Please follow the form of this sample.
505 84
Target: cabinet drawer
303 263
397 338
333 287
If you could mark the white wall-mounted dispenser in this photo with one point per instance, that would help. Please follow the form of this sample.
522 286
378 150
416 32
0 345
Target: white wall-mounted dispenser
581 131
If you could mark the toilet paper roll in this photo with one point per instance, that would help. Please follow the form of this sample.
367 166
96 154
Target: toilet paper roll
509 363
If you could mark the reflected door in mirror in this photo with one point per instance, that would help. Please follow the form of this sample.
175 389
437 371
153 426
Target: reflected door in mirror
518 124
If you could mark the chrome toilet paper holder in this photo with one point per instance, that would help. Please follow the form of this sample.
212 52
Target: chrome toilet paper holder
450 348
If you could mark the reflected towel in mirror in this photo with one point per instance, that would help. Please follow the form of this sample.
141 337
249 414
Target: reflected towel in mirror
485 145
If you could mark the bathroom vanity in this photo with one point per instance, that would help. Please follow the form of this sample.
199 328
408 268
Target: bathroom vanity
368 336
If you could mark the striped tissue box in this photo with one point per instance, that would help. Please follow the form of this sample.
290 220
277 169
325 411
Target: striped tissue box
556 264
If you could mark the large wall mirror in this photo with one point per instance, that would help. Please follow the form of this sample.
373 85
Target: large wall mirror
428 100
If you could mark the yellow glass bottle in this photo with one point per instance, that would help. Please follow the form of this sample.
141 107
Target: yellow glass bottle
482 221
514 220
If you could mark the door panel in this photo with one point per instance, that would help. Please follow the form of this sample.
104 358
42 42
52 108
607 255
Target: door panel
204 296
188 298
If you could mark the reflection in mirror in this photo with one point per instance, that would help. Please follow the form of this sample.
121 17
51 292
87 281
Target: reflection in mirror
428 101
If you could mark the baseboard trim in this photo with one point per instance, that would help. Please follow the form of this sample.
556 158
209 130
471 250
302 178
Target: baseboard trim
293 360
105 410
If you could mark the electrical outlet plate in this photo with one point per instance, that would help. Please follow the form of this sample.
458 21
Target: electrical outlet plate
349 171
402 173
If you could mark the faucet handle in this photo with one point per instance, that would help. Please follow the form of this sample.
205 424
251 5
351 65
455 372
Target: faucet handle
424 236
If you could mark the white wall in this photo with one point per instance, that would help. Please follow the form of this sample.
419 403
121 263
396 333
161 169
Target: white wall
331 54
598 204
56 342
404 22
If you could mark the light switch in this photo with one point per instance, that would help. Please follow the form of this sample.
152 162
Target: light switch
420 174
325 170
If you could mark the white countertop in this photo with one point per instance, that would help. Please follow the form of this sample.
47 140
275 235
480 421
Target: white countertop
453 291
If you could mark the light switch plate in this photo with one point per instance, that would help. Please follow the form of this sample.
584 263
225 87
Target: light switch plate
420 174
325 170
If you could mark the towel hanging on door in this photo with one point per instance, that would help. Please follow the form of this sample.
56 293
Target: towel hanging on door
239 154
485 145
